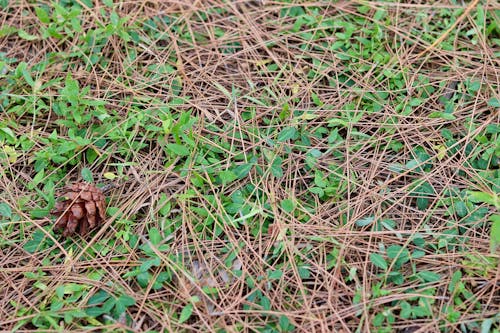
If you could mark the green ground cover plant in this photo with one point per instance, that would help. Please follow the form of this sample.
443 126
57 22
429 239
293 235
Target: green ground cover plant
277 166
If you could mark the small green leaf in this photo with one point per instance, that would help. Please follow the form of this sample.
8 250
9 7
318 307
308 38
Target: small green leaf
149 263
109 175
400 254
486 325
494 102
276 169
5 210
427 276
42 15
287 205
489 198
24 35
8 132
87 175
378 261
442 115
164 205
365 221
265 302
304 272
417 254
97 298
154 236
316 100
126 300
287 133
71 91
415 101
423 193
95 311
455 279
39 177
241 171
186 312
317 190
227 176
495 232
177 149
319 179
275 274
39 213
284 323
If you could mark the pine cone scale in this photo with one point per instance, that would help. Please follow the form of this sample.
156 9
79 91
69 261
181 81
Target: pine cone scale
82 209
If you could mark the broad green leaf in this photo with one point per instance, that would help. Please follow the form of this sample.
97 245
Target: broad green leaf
415 101
378 261
417 254
461 209
186 313
400 254
227 176
143 279
304 272
109 175
442 115
95 311
241 171
275 274
177 149
287 205
24 35
71 91
7 30
276 169
486 325
164 205
126 300
317 190
284 322
489 198
365 221
42 15
423 192
319 179
8 132
495 232
39 213
265 302
428 276
154 236
87 175
149 263
5 210
494 102
287 133
98 297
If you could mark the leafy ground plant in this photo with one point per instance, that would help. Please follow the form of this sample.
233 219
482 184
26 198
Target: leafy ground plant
277 166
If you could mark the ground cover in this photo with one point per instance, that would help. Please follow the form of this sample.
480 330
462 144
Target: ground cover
276 166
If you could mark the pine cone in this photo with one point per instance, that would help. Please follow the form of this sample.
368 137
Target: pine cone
82 209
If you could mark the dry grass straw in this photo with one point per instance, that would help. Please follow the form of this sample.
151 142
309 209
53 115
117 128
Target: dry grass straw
324 301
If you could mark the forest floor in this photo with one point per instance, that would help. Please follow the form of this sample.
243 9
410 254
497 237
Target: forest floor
315 167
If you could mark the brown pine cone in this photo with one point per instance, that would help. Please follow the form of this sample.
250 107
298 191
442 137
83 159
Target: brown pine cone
82 209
